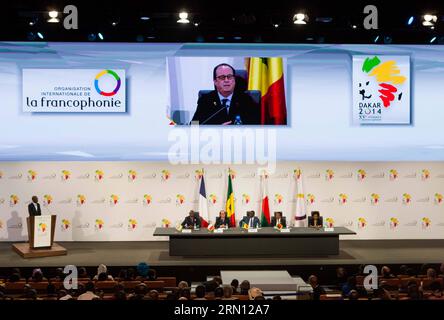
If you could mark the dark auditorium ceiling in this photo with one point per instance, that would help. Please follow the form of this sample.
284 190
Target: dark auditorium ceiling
221 21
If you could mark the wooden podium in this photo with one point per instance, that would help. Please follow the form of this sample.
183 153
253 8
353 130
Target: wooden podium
32 249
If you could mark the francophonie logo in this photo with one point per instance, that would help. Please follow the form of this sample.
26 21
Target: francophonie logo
13 199
32 175
310 198
81 199
329 174
47 199
361 174
99 175
147 198
65 175
132 175
343 198
113 74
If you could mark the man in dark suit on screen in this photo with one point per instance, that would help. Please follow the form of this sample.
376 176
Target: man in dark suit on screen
278 219
192 221
222 221
250 221
34 207
226 105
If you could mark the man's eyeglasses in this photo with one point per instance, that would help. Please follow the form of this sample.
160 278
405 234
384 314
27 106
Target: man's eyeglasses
223 77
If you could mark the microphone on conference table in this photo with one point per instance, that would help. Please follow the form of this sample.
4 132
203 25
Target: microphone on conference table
209 118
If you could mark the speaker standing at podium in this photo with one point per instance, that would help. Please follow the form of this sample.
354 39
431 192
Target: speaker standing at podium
34 207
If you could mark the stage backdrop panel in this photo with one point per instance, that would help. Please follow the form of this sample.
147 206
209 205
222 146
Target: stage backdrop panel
126 201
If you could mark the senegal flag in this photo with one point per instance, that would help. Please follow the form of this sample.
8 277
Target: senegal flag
230 203
267 75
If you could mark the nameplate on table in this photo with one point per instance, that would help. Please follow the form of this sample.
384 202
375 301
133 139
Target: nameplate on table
329 229
186 230
252 230
220 230
284 230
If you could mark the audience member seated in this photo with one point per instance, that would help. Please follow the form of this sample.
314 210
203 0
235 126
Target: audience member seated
341 278
200 293
254 292
37 276
90 292
182 285
185 292
317 289
119 295
103 269
386 273
315 221
218 293
244 287
431 274
153 295
235 286
211 285
83 274
142 271
228 293
353 295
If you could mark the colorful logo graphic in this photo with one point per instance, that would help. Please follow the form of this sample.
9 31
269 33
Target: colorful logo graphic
393 174
180 199
99 175
147 198
1 174
246 198
114 199
132 175
362 223
1 224
388 76
47 199
278 198
81 199
165 175
394 222
42 227
425 174
198 174
406 198
99 224
65 224
13 200
297 173
101 74
32 175
232 173
329 174
361 174
132 224
310 198
65 175
166 223
213 198
330 222
438 198
343 198
426 222
374 198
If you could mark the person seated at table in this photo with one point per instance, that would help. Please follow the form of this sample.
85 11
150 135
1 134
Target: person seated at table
222 221
250 220
278 219
315 221
192 221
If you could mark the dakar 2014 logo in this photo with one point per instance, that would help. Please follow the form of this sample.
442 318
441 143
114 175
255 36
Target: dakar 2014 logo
381 92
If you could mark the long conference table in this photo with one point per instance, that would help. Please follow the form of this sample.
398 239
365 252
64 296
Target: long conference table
263 242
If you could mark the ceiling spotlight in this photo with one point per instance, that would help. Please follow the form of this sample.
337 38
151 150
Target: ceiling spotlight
376 39
183 17
100 36
144 18
31 23
410 21
432 40
114 23
300 18
276 25
53 17
40 35
354 26
429 20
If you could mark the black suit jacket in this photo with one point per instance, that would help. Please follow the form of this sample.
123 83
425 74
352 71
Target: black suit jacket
320 222
283 222
220 222
191 222
32 211
241 104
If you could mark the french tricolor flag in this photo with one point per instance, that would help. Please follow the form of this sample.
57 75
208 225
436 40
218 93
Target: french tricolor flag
203 204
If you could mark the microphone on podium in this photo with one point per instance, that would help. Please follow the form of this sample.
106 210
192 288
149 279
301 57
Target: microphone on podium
210 117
